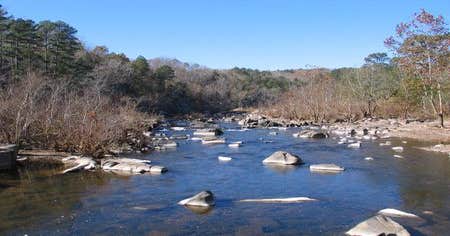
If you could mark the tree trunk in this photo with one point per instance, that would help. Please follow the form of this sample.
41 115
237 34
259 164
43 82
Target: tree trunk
441 119
441 111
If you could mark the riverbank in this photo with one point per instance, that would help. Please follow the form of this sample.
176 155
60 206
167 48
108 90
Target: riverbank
425 131
428 133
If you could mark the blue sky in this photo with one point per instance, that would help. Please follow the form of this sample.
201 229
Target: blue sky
260 34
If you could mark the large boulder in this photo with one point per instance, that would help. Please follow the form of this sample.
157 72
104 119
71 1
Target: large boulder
283 158
202 199
378 225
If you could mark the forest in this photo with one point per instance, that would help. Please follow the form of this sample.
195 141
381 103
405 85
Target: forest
55 92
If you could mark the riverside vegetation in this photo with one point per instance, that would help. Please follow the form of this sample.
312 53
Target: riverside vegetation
86 106
56 93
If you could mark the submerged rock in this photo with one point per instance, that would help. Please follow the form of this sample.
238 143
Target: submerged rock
378 225
283 158
326 168
398 149
202 199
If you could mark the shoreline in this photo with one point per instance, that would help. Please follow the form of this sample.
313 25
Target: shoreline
426 132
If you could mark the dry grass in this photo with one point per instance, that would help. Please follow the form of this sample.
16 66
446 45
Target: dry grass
40 113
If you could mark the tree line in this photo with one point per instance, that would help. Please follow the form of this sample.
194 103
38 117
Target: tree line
47 76
414 83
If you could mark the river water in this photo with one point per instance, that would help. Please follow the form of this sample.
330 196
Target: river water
40 203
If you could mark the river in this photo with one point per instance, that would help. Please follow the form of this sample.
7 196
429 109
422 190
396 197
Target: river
41 203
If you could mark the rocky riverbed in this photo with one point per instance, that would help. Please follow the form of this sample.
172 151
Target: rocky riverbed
311 173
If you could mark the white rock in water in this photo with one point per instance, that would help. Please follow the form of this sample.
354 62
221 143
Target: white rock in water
354 145
196 139
283 158
157 169
398 156
204 133
213 141
202 199
378 225
178 128
234 144
280 200
396 213
404 141
223 158
273 133
325 168
398 149
368 159
78 163
130 165
131 160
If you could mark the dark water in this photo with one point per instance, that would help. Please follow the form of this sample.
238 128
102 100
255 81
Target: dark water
39 203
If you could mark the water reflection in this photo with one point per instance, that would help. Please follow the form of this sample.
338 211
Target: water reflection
199 210
282 169
35 195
